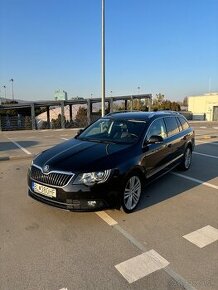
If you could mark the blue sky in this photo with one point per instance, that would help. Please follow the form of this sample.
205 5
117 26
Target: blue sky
161 46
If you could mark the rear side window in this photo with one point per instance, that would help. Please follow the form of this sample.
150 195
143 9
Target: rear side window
184 123
179 124
172 126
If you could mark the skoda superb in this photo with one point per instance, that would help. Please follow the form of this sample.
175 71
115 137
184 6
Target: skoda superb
108 163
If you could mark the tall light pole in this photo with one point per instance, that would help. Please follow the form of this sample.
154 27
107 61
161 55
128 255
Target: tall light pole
138 90
103 60
5 92
12 89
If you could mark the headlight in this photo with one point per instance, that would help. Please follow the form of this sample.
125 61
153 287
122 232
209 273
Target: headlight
92 177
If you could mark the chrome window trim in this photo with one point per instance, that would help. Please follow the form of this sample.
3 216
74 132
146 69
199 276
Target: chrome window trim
162 117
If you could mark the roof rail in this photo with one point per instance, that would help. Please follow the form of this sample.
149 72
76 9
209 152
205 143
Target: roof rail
125 111
166 112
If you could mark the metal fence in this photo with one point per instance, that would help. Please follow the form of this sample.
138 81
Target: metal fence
64 114
12 123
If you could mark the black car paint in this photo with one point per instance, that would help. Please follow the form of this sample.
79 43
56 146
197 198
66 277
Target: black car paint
79 156
82 156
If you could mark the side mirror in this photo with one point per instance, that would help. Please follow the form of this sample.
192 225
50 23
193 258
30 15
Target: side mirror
155 139
79 132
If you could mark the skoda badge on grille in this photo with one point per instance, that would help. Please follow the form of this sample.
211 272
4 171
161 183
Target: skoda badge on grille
46 169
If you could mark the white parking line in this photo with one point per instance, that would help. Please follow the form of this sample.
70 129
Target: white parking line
203 237
179 279
195 180
203 127
19 146
141 266
109 220
207 155
215 128
206 142
64 138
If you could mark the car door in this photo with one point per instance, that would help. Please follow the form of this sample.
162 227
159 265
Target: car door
155 156
174 138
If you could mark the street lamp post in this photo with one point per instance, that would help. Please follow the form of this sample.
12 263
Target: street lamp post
5 92
12 89
138 90
103 60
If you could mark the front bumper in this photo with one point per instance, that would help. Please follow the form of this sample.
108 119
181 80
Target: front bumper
80 197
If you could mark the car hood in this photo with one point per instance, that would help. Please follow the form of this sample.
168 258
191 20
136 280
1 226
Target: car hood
82 156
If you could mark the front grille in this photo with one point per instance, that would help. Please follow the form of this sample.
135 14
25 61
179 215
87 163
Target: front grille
52 178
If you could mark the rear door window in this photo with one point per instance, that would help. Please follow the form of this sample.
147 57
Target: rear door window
171 125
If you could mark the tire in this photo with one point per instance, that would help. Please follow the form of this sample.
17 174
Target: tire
131 192
187 159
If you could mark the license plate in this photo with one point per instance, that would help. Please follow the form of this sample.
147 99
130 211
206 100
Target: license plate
44 190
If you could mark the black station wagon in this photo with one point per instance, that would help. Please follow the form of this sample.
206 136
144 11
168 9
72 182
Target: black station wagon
108 163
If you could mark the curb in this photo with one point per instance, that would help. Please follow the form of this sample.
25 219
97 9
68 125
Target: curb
19 157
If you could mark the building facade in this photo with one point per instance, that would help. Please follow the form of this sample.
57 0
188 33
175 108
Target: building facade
60 95
204 107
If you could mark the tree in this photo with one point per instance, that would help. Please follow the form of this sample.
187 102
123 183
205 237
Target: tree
56 123
160 98
159 103
185 101
138 105
81 117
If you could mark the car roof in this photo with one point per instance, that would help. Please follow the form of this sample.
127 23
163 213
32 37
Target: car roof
139 115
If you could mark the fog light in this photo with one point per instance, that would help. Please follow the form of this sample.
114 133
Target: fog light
92 203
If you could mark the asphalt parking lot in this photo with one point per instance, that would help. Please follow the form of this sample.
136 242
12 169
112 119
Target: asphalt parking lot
170 242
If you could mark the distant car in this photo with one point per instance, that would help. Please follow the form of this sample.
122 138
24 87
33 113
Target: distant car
108 163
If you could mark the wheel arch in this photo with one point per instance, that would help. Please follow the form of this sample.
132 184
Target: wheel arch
136 169
189 145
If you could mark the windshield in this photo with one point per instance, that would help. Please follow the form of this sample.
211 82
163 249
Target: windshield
110 130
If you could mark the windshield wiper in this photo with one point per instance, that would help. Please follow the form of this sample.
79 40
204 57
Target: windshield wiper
97 140
102 141
82 138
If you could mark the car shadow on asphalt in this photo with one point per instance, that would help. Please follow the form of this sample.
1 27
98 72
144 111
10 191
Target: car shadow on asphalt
8 146
169 185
